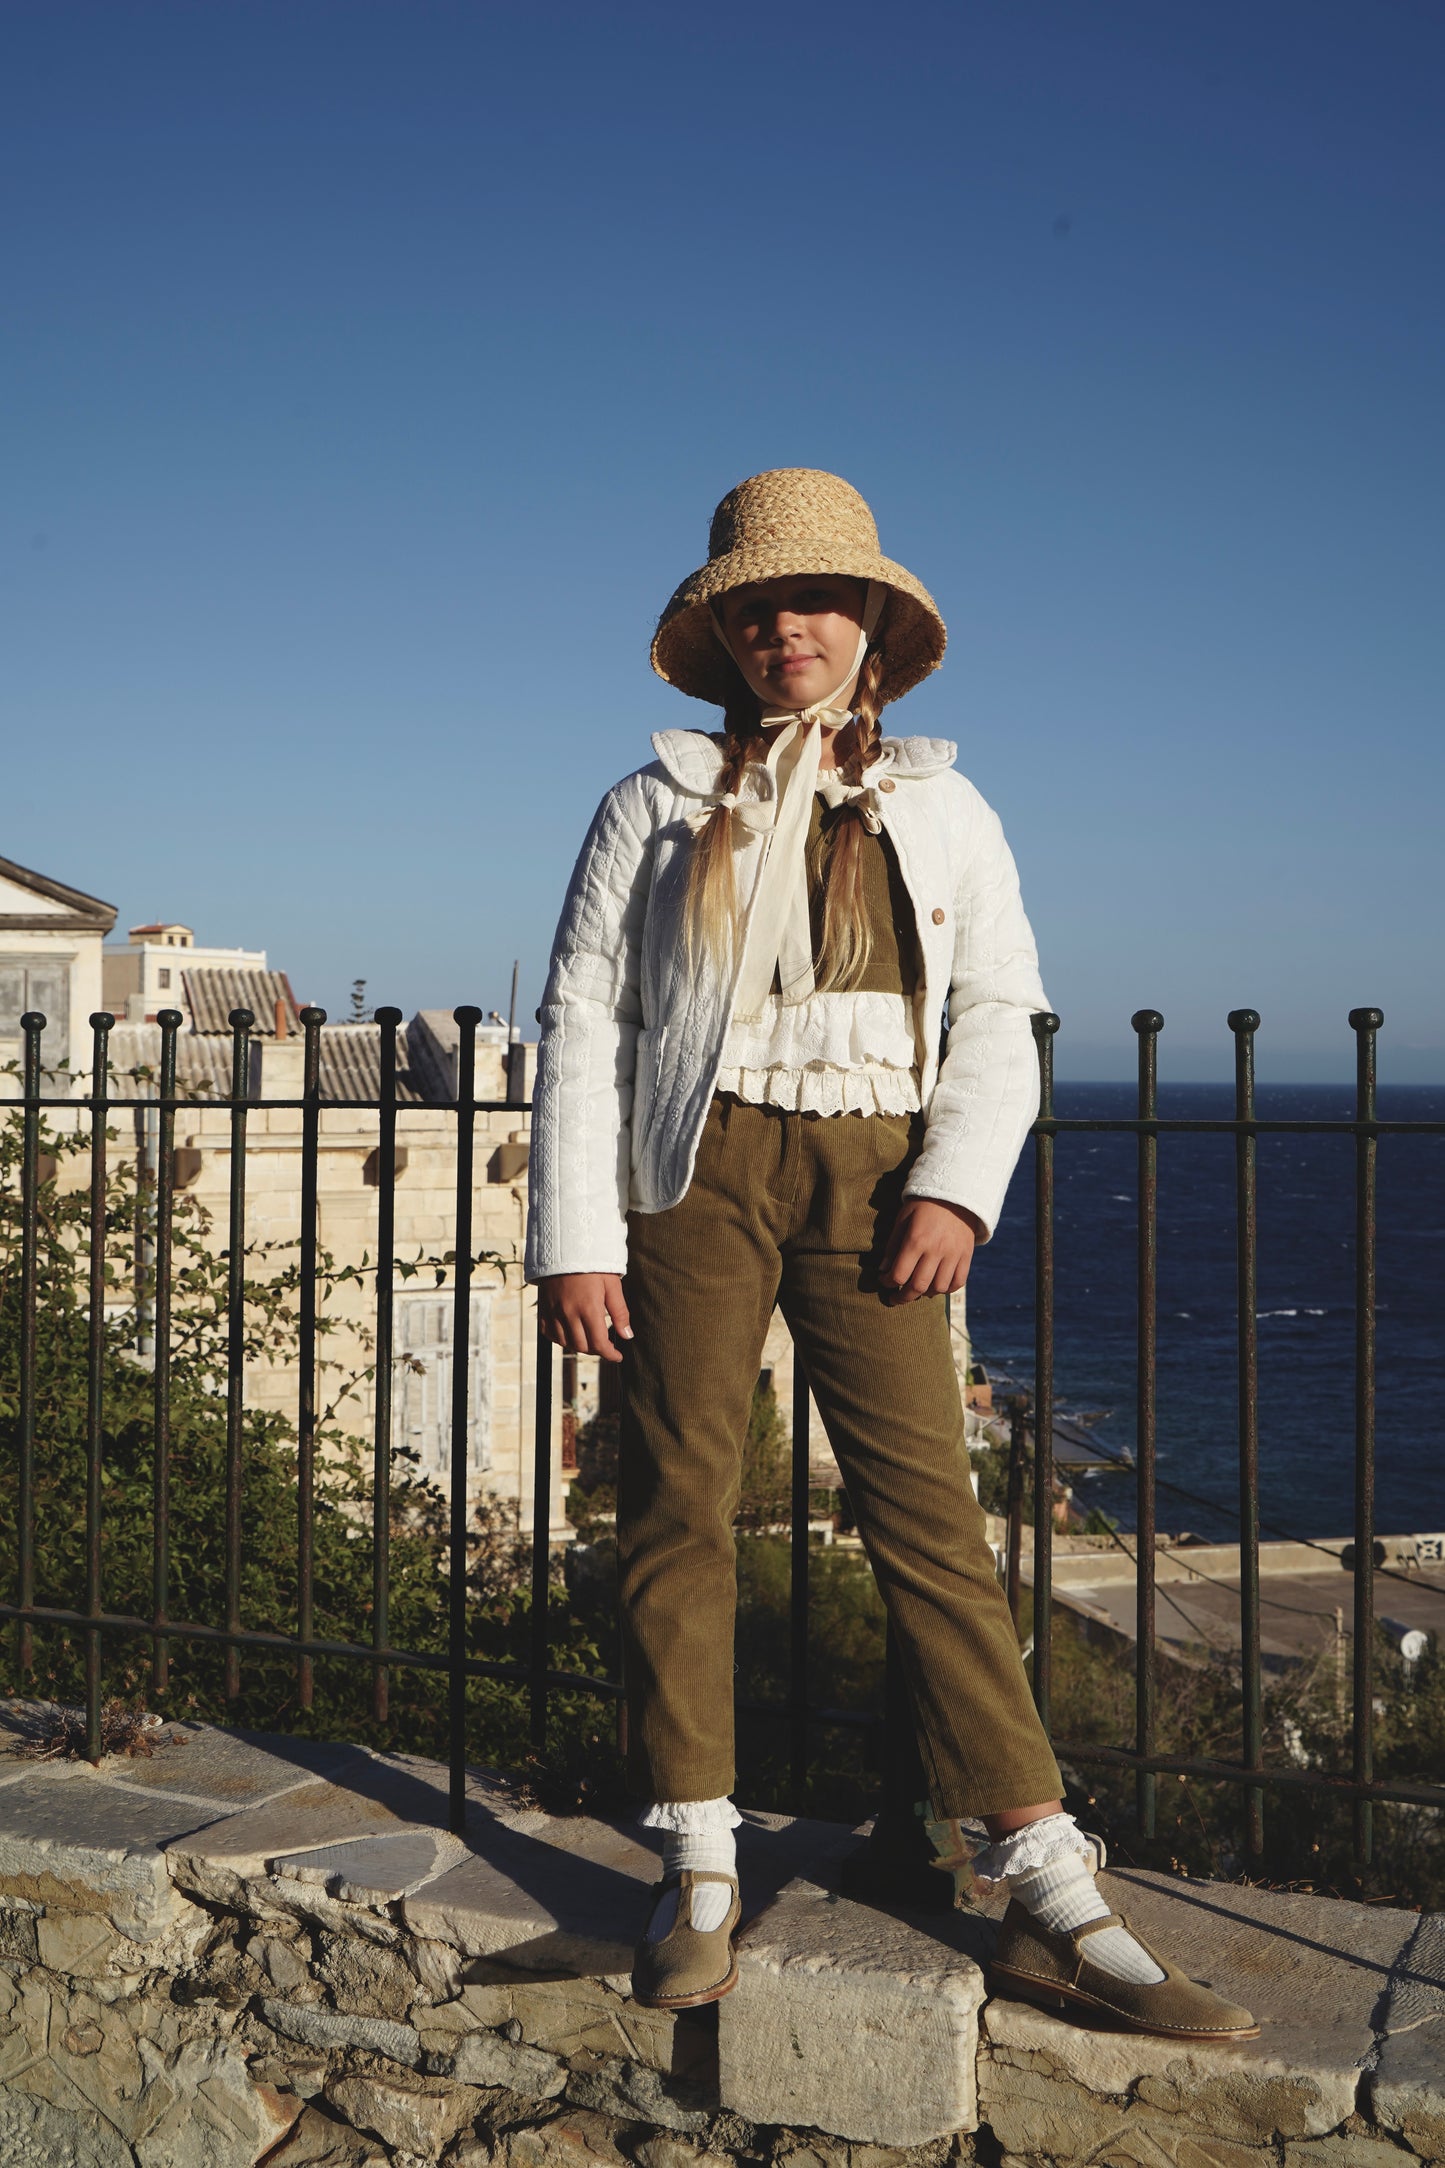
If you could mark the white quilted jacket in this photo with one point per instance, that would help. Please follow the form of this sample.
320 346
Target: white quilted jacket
632 1038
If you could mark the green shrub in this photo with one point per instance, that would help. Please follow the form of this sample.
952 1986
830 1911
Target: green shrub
498 1565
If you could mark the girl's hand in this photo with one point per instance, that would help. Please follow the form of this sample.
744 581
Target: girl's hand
929 1251
576 1309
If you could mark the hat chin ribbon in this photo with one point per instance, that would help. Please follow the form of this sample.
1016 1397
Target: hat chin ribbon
824 711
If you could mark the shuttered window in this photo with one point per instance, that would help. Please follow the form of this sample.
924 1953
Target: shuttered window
422 1373
28 984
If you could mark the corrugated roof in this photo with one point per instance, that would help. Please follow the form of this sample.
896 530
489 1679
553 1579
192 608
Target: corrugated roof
213 990
351 1064
202 1065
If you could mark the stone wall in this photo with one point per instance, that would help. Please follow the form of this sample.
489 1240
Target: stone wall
243 1951
294 2020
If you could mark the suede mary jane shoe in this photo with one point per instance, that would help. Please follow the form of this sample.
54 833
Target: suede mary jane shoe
688 1965
1055 1971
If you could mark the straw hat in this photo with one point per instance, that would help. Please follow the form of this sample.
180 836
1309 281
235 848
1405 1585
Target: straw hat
790 521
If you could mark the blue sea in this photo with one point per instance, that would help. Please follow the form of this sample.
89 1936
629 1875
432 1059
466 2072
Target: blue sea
1305 1308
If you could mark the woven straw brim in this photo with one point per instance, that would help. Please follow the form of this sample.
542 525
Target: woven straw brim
688 654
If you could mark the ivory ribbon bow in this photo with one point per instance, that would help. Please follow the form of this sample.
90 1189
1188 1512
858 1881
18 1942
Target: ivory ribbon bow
779 931
779 934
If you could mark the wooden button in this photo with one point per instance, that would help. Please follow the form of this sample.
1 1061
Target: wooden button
888 783
939 916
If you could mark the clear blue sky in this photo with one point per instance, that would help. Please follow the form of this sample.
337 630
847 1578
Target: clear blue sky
370 372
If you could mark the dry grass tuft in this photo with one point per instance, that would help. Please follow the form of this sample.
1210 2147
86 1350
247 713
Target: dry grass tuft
55 1733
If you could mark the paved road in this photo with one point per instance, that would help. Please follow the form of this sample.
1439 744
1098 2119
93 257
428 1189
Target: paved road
1297 1611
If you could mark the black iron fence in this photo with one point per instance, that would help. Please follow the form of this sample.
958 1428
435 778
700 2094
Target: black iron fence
897 1834
1245 1126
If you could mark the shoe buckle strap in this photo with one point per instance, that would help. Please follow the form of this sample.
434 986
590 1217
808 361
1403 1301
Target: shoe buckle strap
687 1883
1113 1919
1096 1927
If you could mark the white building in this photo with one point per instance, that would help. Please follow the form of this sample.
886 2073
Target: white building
147 973
50 963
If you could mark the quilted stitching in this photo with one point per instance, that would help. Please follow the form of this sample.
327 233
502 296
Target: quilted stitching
619 970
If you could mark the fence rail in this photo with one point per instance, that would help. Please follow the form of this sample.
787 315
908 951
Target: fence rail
897 1830
1246 1127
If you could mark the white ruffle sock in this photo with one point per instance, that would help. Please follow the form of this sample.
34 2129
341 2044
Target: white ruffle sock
696 1833
1049 1867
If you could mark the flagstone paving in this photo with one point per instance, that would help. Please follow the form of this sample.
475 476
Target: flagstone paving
244 1948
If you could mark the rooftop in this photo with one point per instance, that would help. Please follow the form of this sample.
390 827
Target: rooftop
350 1059
31 901
212 992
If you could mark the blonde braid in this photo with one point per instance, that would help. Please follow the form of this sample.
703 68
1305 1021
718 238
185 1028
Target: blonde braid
711 905
847 941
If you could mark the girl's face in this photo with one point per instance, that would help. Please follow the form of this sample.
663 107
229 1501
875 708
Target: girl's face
794 638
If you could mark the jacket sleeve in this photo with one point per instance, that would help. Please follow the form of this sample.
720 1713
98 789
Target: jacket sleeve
581 1144
987 1094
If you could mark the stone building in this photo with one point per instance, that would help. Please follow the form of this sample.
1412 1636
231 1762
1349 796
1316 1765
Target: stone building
501 1356
52 960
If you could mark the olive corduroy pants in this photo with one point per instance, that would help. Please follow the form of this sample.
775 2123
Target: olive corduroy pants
794 1210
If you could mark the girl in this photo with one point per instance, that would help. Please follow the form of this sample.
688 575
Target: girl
739 1103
